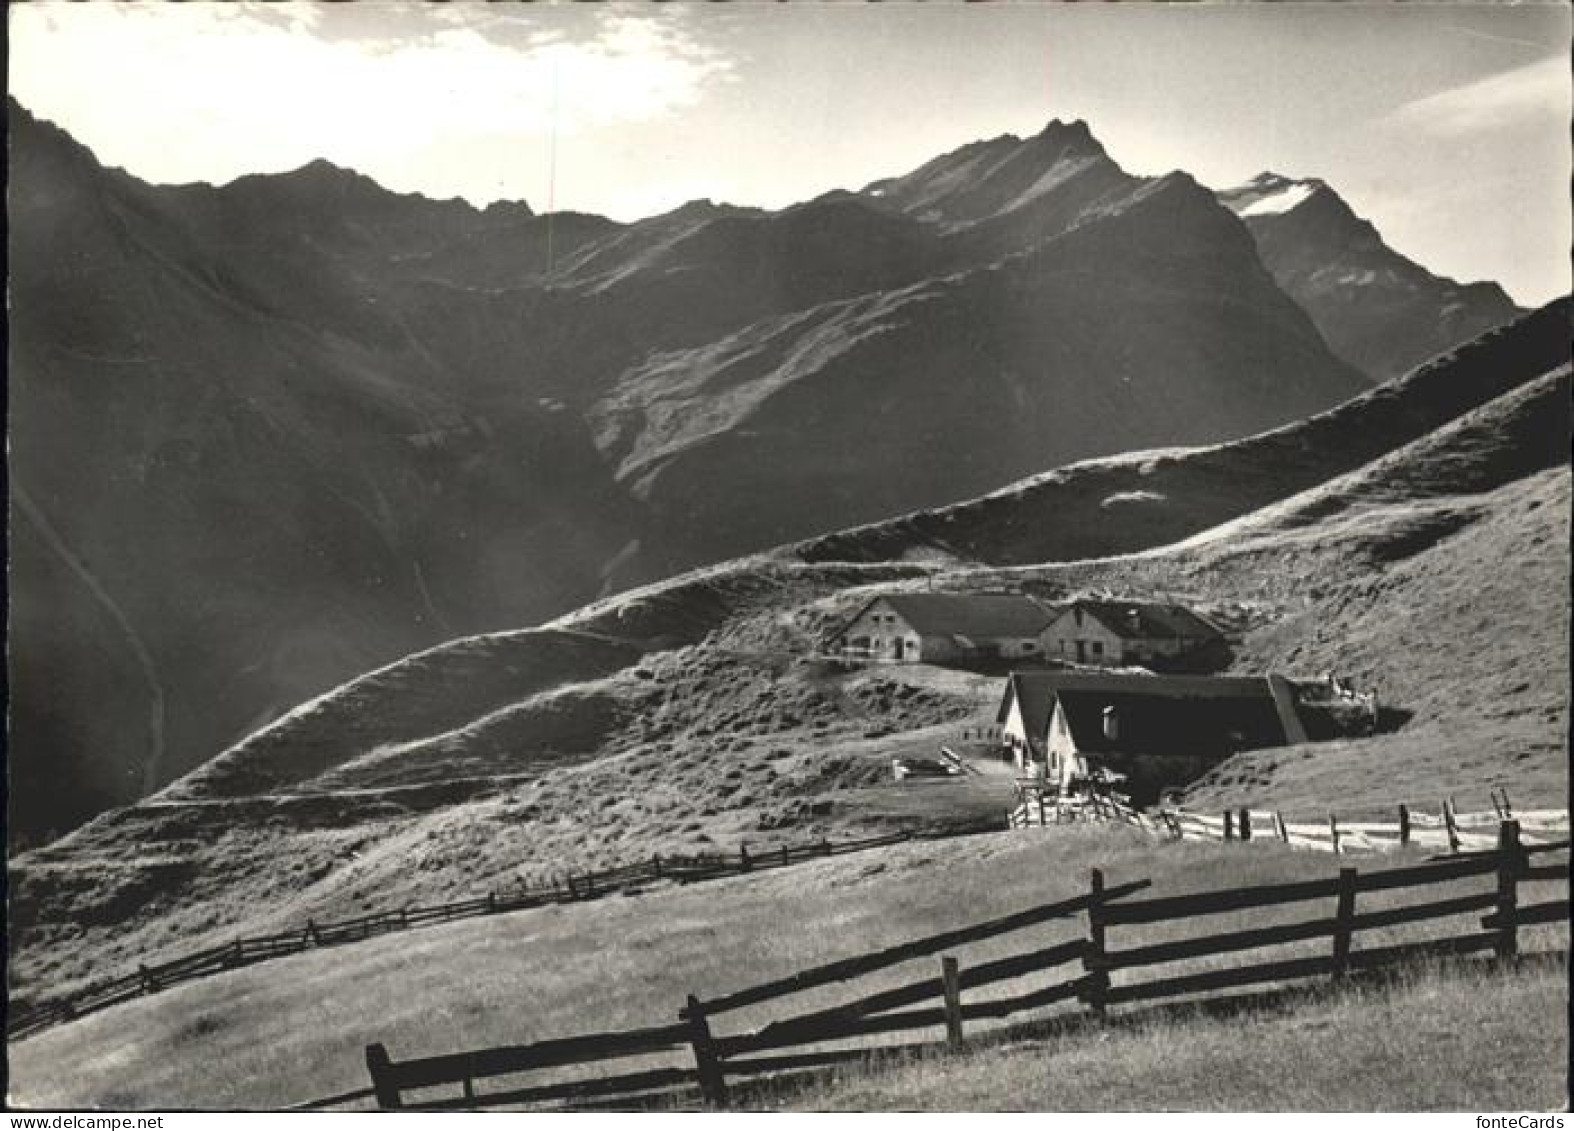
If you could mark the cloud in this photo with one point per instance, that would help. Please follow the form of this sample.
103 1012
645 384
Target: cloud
1535 91
210 91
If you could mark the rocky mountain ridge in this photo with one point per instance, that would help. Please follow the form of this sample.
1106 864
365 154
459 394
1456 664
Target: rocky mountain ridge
1380 311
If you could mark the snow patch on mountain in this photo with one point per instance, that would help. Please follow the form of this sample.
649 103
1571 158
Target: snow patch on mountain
1279 202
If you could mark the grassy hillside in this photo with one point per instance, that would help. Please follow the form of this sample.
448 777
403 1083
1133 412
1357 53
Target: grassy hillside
692 714
293 1030
1439 576
1395 1046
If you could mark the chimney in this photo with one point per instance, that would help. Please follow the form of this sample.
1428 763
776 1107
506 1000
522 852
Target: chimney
1111 724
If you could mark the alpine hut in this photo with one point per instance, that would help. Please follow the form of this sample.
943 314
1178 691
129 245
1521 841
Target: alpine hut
1156 731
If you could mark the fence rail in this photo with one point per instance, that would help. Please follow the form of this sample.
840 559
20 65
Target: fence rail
27 1018
1448 830
935 1003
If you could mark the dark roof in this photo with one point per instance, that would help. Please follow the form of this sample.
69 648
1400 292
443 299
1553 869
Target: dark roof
1171 725
1146 620
1158 714
964 614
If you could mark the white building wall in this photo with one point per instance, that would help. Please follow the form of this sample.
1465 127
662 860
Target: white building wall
1013 733
882 627
1102 646
1064 758
1098 644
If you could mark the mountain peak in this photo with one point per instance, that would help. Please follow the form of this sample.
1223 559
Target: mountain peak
1268 179
1379 310
322 171
321 180
508 209
317 178
1074 127
1070 137
1272 194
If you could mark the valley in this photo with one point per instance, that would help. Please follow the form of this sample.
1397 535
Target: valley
803 558
702 714
361 423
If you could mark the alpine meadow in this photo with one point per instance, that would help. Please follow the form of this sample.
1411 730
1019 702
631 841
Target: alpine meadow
812 558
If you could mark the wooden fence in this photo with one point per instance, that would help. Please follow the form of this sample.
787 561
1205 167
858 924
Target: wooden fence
1038 803
25 1019
715 1058
703 1062
1445 831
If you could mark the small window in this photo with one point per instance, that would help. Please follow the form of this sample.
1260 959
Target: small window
1098 648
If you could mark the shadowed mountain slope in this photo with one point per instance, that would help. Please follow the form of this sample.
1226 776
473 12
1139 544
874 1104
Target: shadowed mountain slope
1150 322
1381 312
239 481
1145 499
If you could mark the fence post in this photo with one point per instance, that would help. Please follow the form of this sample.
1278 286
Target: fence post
1448 821
655 862
1508 809
311 932
1096 979
1284 833
149 983
1041 820
743 858
1511 859
1344 918
784 855
713 1085
1333 831
1404 825
1229 825
1246 824
952 981
381 1070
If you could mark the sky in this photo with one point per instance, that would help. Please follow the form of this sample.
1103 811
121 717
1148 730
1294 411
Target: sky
1445 124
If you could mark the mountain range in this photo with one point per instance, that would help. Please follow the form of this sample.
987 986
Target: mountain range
268 435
